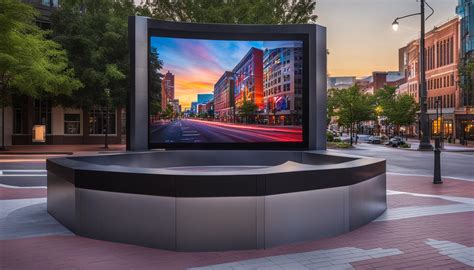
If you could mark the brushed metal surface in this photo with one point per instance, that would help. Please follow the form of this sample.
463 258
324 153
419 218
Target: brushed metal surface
227 223
61 201
303 216
127 218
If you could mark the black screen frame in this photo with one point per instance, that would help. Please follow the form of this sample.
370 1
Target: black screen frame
242 33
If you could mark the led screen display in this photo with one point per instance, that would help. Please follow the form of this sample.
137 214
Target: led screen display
204 91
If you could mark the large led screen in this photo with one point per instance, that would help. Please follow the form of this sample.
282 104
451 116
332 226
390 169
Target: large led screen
231 92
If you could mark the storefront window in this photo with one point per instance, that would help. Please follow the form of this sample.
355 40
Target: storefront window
98 122
42 114
18 121
72 123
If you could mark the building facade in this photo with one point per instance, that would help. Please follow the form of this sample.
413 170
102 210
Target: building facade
465 114
167 90
224 97
442 56
248 75
341 82
283 85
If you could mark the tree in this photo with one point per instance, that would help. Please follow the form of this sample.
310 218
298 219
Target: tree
155 82
94 32
398 110
30 64
402 111
466 82
351 107
234 11
247 108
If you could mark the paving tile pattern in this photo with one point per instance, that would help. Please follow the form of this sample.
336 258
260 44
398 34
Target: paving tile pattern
339 258
422 241
456 251
17 193
418 184
406 200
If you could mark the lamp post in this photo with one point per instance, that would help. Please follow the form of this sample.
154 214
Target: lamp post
107 101
423 119
437 151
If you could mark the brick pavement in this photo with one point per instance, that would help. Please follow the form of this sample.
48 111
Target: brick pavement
414 241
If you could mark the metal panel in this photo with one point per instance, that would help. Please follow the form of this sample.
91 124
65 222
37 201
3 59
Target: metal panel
211 224
138 108
304 216
127 218
61 204
367 201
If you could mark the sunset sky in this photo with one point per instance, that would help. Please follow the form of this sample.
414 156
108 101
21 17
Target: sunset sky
360 36
198 64
360 40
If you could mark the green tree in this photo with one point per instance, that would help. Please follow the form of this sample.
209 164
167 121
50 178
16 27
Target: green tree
95 34
351 106
398 110
155 82
234 11
402 111
30 64
247 109
466 82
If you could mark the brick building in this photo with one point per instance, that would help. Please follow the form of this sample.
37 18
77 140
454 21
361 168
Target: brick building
442 81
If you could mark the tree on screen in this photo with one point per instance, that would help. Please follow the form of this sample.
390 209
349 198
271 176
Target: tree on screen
247 109
234 11
155 82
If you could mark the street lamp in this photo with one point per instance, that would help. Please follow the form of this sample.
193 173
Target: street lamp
107 104
423 120
437 151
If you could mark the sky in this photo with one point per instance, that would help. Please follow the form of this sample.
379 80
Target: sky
360 35
198 64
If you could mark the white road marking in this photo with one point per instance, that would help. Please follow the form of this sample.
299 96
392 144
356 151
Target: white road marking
424 175
9 186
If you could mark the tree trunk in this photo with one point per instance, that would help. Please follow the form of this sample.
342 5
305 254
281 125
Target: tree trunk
4 96
350 132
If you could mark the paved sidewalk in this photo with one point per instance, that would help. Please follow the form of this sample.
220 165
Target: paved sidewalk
61 149
447 146
425 227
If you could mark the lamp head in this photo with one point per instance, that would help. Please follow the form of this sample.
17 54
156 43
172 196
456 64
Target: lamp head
395 25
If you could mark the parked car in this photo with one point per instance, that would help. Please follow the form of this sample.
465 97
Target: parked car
396 142
375 140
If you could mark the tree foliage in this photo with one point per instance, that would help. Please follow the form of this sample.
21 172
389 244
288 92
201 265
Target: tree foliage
30 63
351 106
247 109
94 32
155 82
398 110
234 11
466 74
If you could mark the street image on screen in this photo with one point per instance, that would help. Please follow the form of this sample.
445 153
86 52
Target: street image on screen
225 91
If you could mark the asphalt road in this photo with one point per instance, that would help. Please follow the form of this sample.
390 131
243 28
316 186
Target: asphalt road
23 170
453 164
196 131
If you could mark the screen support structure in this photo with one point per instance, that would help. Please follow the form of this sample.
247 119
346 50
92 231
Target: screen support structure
137 107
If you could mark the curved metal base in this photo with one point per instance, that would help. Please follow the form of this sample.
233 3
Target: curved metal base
213 222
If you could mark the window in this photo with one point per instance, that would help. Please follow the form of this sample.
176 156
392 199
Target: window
98 122
18 121
42 115
72 123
